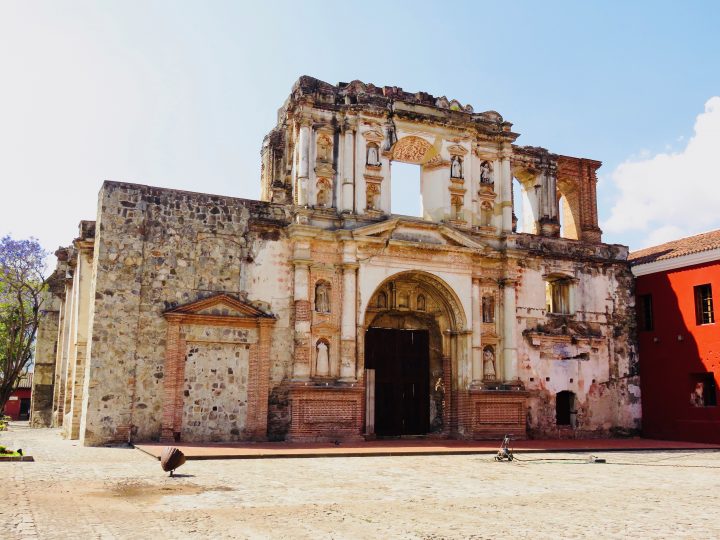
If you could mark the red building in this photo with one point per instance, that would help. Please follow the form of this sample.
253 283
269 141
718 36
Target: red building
18 406
679 338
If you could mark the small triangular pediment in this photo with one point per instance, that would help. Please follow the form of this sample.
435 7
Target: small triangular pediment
417 231
220 305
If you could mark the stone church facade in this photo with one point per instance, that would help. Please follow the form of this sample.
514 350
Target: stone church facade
317 314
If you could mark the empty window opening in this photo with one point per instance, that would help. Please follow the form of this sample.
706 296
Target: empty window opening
568 227
645 313
405 189
704 313
703 390
518 205
565 412
557 296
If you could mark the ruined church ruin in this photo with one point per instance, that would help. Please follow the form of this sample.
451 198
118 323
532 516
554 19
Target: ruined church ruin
316 313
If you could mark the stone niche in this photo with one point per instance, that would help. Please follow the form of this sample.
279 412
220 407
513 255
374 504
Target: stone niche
217 364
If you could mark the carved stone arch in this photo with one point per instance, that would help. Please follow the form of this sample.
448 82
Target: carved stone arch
569 208
433 287
444 324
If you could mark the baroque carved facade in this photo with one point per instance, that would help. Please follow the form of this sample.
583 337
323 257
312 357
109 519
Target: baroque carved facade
316 313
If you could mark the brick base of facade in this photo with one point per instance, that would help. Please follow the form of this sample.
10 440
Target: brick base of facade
325 413
491 414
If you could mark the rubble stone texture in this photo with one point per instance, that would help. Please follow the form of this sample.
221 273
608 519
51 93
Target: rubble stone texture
189 316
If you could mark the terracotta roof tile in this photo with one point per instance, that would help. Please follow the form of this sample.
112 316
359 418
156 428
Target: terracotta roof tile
676 248
25 381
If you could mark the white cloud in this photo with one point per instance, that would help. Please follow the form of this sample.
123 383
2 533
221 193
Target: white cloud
671 195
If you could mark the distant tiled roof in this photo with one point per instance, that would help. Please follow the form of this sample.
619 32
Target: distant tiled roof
25 381
676 248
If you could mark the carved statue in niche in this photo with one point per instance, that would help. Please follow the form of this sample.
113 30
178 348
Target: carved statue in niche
373 157
322 297
324 191
456 167
403 300
322 197
489 364
382 300
486 173
324 146
421 302
488 309
373 196
322 359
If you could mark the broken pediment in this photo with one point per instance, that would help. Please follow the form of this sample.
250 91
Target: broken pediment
220 305
419 232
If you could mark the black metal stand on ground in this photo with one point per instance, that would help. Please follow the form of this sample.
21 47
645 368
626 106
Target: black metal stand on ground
505 453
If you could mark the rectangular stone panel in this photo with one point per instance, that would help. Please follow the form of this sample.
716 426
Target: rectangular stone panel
215 392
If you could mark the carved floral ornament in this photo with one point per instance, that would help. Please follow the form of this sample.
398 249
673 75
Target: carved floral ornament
413 149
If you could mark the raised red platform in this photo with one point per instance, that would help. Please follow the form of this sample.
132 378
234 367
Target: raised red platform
406 447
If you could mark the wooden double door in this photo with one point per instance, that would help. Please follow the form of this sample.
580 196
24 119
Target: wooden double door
401 362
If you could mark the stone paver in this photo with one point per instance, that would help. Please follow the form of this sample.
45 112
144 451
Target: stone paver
76 492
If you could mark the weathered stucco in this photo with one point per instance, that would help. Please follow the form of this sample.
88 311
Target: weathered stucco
321 259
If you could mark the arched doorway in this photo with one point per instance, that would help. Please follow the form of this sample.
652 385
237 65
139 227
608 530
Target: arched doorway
412 344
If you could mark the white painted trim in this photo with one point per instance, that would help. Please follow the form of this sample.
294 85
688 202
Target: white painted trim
675 263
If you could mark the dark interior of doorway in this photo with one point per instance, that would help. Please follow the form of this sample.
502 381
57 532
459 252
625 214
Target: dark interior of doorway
401 362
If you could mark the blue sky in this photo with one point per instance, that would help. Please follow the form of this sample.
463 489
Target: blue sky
180 94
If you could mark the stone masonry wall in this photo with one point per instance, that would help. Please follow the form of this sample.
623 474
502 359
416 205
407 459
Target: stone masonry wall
590 352
156 249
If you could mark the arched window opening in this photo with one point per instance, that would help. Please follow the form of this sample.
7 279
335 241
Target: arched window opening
565 413
405 189
558 295
568 226
520 204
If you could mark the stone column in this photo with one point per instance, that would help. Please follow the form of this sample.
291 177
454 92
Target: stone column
509 334
552 190
43 380
62 356
348 175
304 163
84 283
349 324
477 362
301 365
506 193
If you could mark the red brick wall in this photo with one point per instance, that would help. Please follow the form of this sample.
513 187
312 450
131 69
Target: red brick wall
491 414
326 413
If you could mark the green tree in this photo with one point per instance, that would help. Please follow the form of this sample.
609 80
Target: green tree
22 282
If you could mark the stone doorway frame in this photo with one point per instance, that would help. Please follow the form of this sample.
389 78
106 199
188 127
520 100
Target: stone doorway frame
196 313
454 340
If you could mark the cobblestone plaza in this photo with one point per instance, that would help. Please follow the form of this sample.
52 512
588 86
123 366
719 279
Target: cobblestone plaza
72 491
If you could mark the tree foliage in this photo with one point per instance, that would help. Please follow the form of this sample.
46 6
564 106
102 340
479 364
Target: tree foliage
22 283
